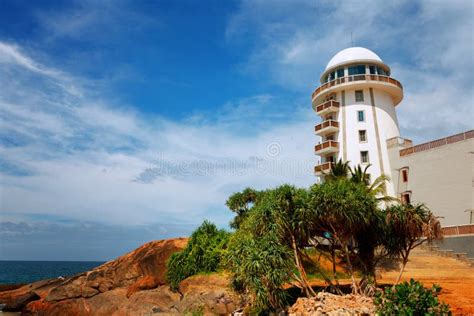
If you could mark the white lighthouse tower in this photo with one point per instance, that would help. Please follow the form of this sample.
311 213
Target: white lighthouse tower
356 102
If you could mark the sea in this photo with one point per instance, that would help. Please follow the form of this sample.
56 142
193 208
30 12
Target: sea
18 272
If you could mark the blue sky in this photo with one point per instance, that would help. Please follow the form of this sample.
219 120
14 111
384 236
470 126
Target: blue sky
127 121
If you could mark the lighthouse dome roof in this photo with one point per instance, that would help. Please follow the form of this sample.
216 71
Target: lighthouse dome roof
353 54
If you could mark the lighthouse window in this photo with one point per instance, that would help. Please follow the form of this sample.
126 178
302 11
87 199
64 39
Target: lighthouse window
406 197
360 116
372 70
381 71
362 135
340 72
332 76
357 70
405 175
359 95
364 157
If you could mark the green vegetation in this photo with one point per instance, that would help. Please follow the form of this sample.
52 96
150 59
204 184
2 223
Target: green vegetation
204 253
410 298
281 233
406 224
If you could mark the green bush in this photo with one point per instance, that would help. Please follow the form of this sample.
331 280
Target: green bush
410 298
203 254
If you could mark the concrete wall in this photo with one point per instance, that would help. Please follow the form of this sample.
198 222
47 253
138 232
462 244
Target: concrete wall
387 127
458 244
441 177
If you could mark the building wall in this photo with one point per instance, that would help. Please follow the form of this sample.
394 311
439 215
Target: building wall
440 177
387 124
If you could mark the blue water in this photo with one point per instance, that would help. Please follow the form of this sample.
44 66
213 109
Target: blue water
14 272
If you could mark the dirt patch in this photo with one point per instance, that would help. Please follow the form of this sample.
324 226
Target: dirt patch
455 277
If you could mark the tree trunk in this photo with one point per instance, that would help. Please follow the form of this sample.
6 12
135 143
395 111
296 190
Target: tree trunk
299 265
336 288
334 271
402 268
355 288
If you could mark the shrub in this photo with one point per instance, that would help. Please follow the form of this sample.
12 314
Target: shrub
203 254
260 260
410 298
261 267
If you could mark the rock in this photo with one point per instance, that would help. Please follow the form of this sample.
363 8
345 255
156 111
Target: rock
133 284
143 268
145 283
106 289
20 301
209 293
18 298
330 304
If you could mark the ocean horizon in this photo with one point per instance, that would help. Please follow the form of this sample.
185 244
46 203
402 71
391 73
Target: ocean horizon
19 271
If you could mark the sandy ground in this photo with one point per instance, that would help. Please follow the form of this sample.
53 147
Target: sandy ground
454 276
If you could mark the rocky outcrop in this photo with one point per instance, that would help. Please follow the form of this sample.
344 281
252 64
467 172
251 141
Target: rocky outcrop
134 284
147 262
330 304
210 294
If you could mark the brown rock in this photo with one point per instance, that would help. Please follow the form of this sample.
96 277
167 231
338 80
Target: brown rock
104 290
145 283
133 284
143 268
209 293
18 298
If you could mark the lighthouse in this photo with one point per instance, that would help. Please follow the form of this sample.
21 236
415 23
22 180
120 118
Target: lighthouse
356 101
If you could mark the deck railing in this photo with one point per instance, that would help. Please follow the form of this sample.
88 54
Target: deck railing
325 124
342 80
326 105
437 143
326 144
323 167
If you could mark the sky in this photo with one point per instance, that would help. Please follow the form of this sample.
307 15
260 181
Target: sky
124 121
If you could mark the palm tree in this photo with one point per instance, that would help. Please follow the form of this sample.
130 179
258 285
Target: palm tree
378 188
338 170
407 227
344 209
360 176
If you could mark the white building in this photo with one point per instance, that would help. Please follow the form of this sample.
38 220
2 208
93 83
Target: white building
356 102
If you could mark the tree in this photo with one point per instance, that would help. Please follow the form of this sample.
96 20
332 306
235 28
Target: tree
260 262
338 170
203 253
377 188
288 205
240 203
344 209
360 176
407 227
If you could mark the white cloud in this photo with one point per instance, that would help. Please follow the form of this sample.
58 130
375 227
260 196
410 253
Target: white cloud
428 45
10 54
90 160
74 154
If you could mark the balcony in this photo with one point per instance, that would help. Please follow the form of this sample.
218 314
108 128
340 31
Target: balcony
323 168
388 84
327 107
326 147
326 127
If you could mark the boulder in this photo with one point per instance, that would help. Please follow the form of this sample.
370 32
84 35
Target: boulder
134 284
143 268
103 290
